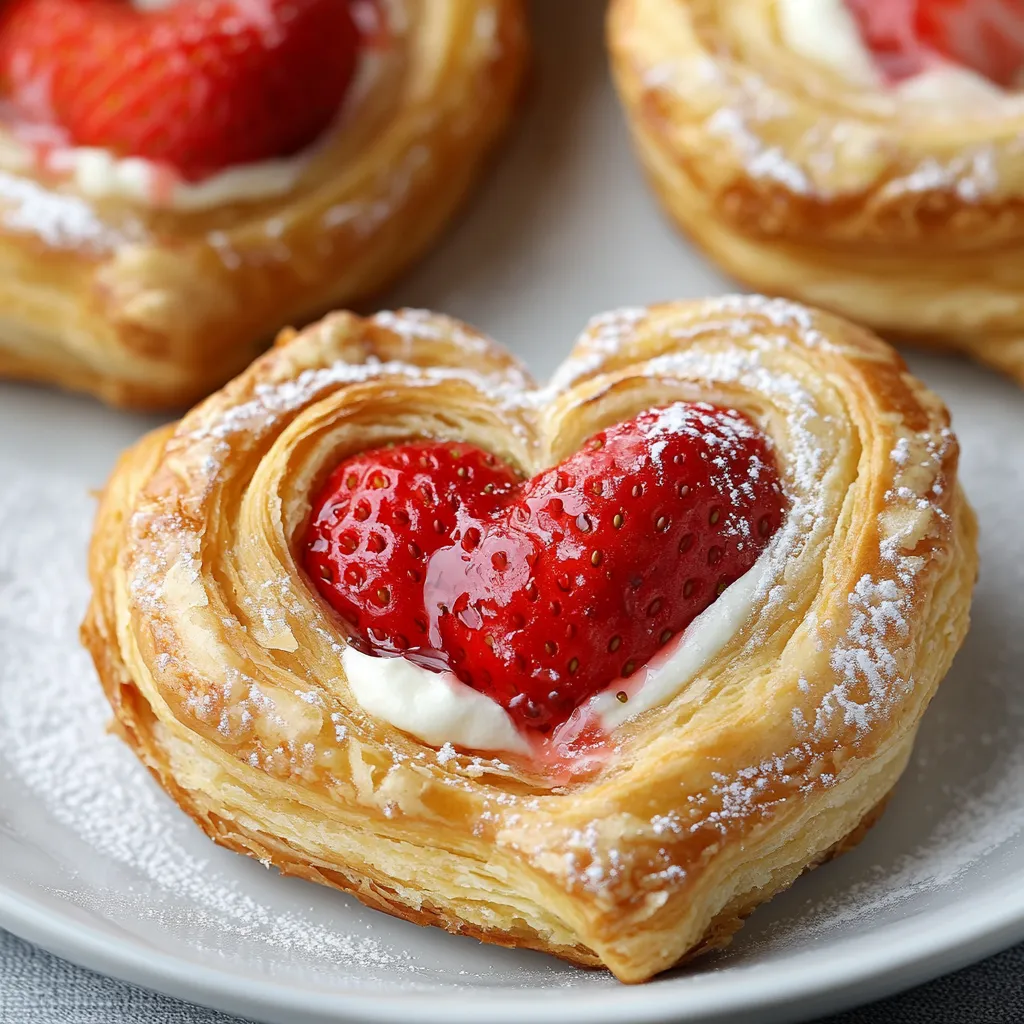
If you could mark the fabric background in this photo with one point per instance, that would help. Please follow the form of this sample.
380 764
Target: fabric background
36 988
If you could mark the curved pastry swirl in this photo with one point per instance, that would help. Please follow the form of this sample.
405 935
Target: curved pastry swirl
148 306
224 666
819 182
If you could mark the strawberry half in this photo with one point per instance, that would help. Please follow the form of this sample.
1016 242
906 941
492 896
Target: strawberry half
541 593
985 35
909 36
200 85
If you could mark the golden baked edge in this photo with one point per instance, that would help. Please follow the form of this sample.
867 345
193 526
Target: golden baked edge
522 899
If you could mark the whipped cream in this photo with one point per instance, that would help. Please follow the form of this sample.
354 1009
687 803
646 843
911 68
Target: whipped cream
826 32
438 708
99 174
435 707
679 662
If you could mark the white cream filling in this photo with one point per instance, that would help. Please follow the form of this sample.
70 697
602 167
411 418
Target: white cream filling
438 708
678 664
435 707
951 83
825 31
98 174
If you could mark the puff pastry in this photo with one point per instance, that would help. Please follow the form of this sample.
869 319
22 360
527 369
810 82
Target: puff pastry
146 306
224 666
802 174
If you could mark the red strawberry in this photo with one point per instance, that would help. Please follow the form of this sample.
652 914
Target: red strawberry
908 36
200 85
985 35
541 593
890 32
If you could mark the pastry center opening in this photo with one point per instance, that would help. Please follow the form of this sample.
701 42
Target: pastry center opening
541 593
194 86
907 38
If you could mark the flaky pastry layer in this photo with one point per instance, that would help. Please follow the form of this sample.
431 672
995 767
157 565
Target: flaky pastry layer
903 214
149 307
222 663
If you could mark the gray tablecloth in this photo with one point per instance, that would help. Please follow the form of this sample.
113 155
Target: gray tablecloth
36 988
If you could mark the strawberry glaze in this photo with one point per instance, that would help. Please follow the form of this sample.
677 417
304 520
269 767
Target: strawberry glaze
910 37
66 91
540 593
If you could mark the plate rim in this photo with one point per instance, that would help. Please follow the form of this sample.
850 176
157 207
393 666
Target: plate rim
874 965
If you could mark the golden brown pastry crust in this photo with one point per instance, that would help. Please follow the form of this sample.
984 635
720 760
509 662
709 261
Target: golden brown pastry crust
222 663
900 214
148 307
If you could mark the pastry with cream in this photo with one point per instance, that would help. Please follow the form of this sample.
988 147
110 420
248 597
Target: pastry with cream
593 668
866 156
179 179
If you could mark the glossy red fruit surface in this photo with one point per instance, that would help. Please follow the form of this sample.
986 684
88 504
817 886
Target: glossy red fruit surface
540 593
200 85
910 36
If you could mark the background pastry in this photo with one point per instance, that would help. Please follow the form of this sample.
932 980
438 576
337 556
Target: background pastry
648 821
862 155
177 184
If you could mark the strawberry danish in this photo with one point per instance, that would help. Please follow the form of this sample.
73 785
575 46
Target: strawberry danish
862 155
593 668
179 179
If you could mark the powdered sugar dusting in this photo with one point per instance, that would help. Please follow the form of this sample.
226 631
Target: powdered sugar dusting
288 396
723 432
879 624
413 325
603 337
956 822
869 657
864 136
507 389
55 741
61 221
965 785
54 745
871 677
764 162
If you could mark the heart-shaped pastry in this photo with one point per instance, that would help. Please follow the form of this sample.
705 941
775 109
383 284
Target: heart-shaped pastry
260 567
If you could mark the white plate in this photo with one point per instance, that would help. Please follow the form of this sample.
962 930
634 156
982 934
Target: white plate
98 866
